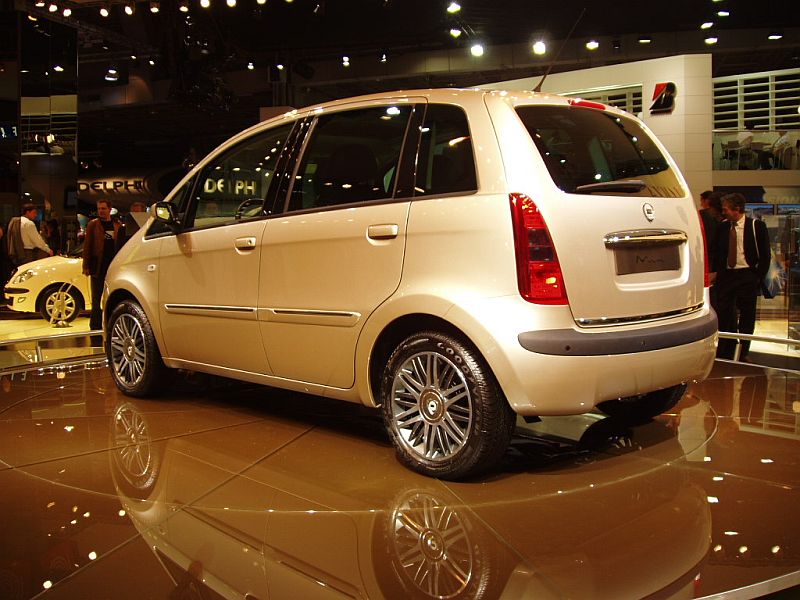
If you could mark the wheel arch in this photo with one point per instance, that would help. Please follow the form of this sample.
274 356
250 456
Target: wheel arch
398 330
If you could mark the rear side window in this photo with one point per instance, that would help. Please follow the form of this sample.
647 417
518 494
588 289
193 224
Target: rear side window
352 156
584 146
445 163
234 186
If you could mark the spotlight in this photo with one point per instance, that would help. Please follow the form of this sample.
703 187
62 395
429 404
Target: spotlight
455 32
645 39
52 8
539 48
775 36
183 6
345 61
151 62
230 3
40 3
453 8
250 66
280 66
111 74
58 69
592 45
707 25
261 2
155 6
104 11
383 57
711 40
130 7
723 13
205 3
67 11
476 50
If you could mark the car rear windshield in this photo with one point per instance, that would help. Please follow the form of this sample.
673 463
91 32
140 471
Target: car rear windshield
587 150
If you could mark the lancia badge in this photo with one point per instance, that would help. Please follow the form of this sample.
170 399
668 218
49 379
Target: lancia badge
649 211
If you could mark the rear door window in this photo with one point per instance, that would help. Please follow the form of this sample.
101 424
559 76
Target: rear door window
351 157
585 146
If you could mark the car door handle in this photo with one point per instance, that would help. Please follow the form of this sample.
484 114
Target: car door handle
245 243
383 232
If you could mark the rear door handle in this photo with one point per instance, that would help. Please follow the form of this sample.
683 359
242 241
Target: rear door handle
383 232
245 243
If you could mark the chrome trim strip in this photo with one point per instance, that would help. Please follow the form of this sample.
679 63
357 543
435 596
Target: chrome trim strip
605 321
207 307
314 313
649 237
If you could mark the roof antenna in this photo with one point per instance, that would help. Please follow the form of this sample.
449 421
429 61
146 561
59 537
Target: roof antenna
538 87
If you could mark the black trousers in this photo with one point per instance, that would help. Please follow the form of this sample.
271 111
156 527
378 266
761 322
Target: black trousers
96 318
737 294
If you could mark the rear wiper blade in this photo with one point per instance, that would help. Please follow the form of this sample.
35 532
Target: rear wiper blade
630 186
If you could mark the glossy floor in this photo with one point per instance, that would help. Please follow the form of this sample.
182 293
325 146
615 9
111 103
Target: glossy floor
229 490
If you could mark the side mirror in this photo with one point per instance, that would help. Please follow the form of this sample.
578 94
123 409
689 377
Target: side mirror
164 212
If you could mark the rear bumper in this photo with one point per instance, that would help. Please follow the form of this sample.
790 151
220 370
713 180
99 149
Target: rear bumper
569 342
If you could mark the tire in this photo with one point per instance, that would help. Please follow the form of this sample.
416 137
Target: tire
443 409
68 301
132 351
136 461
642 408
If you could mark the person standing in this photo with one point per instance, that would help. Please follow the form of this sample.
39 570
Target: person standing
741 260
25 243
99 248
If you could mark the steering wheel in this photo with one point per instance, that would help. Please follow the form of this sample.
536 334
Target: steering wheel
252 207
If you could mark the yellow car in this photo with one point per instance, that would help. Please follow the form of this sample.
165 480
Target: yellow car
55 287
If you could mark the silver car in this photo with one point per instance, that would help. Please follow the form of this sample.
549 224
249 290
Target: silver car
456 257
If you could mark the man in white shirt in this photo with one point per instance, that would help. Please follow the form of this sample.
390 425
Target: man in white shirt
25 243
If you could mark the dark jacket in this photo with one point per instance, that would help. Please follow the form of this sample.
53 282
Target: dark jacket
757 258
93 246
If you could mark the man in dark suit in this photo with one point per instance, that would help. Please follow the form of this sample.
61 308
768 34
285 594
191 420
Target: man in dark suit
741 259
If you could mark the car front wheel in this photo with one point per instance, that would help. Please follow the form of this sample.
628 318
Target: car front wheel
60 303
132 351
443 409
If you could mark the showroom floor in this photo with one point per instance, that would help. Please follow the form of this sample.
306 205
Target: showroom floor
223 489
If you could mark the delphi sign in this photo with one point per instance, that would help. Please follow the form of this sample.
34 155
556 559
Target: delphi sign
112 186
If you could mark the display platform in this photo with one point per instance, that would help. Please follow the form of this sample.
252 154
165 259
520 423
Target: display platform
228 490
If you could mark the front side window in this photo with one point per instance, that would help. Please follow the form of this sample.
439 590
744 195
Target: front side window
585 146
445 163
352 156
234 186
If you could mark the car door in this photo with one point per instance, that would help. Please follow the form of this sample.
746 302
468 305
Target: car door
209 272
337 251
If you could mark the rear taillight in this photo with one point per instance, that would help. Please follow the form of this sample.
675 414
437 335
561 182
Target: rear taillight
706 276
538 272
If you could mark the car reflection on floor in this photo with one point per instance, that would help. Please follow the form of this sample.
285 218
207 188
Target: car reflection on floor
235 490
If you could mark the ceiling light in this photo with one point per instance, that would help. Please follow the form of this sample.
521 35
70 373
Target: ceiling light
183 6
250 66
111 74
230 3
134 57
151 62
383 57
592 45
476 50
40 3
261 2
67 11
130 7
280 66
455 32
205 3
155 6
453 8
711 40
645 39
58 68
707 25
104 11
345 61
775 36
52 8
539 48
723 13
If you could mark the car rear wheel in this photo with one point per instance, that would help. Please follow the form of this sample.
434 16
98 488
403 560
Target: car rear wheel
60 303
132 351
443 409
642 408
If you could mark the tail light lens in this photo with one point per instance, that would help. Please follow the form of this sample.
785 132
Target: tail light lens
538 271
706 276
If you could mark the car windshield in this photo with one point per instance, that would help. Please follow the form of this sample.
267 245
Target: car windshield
584 147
